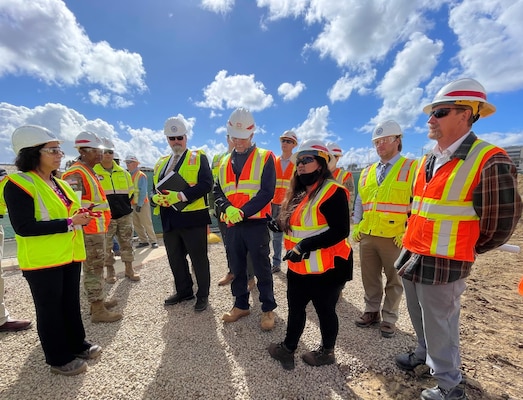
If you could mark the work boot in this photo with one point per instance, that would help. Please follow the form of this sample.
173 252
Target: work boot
226 279
100 314
437 393
110 303
129 272
319 357
368 319
111 275
235 314
408 361
267 321
280 352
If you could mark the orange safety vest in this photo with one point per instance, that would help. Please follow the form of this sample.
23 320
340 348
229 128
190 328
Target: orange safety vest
249 182
94 194
306 221
341 176
136 177
443 222
283 180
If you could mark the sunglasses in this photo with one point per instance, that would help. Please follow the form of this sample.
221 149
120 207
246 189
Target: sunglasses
108 151
443 112
305 160
173 138
290 141
92 150
53 151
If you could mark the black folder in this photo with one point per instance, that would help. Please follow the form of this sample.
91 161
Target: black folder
175 182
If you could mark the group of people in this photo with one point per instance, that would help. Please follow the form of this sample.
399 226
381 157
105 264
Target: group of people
420 223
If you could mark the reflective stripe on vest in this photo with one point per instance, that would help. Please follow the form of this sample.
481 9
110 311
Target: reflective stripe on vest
94 194
116 182
283 180
385 207
341 176
189 170
249 183
47 251
443 221
306 221
136 178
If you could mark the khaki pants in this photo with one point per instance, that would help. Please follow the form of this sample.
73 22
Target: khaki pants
143 225
377 257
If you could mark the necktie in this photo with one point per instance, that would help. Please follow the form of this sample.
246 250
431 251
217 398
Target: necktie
176 158
429 167
381 172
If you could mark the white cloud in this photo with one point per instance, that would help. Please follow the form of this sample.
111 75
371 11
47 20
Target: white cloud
289 91
315 126
490 35
218 6
344 86
42 38
235 91
284 8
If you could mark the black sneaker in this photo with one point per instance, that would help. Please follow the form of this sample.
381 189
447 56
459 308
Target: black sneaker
176 298
408 361
154 245
280 352
91 353
201 303
437 393
141 245
275 269
320 356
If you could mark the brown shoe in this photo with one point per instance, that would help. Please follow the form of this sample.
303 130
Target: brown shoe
235 314
267 321
387 329
368 319
15 325
226 279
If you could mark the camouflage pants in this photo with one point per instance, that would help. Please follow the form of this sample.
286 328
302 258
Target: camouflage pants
123 229
93 266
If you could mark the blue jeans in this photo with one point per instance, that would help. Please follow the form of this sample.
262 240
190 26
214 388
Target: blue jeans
250 237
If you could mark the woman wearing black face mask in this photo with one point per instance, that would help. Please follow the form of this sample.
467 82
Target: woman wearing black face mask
315 220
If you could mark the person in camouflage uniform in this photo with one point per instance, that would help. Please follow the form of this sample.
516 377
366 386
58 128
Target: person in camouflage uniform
82 178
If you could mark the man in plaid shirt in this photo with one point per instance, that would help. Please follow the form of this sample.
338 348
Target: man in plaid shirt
465 203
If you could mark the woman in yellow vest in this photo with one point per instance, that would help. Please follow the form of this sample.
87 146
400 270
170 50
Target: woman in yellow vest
47 220
315 221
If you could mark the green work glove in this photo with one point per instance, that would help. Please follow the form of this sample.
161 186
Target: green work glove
233 215
356 235
398 240
170 197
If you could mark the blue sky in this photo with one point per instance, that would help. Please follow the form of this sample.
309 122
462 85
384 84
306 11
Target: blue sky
328 69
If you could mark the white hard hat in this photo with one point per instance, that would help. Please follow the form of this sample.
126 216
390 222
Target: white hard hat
334 149
387 128
116 156
313 147
108 143
88 139
31 136
289 135
240 124
131 157
174 126
466 91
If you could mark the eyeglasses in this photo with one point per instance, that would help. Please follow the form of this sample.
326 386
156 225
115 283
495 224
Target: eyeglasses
53 151
290 141
108 151
443 112
92 150
385 140
173 138
305 160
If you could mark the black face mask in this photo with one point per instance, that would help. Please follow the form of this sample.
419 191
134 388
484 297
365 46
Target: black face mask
309 179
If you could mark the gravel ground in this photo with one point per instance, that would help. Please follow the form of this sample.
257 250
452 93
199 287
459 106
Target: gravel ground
158 352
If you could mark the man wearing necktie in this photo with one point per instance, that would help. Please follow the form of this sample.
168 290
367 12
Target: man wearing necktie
185 229
380 215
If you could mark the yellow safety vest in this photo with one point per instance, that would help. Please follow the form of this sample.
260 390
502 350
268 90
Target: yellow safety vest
216 161
47 251
189 171
386 207
3 206
117 182
136 178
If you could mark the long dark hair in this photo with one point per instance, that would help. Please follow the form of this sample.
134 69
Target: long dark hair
28 159
297 192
